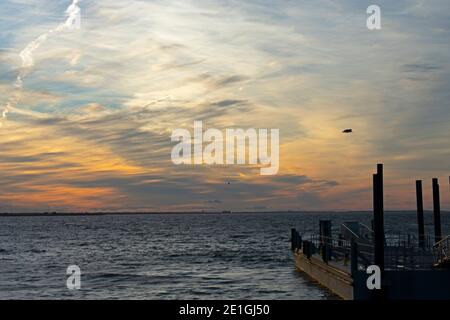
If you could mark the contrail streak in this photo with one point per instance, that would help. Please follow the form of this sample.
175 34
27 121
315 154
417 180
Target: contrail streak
26 55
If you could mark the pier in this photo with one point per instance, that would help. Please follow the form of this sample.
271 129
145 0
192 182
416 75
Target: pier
411 266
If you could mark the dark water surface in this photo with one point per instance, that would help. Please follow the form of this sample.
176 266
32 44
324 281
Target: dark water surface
177 256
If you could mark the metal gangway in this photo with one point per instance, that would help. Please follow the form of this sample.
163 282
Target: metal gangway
441 251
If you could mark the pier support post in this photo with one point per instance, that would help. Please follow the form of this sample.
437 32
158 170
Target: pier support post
437 211
420 220
325 239
293 240
307 248
296 240
354 258
378 210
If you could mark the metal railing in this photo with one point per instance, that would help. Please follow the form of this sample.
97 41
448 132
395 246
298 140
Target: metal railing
404 256
410 241
339 251
402 252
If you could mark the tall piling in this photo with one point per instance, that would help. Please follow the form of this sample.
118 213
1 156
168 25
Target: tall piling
420 219
325 239
378 210
354 257
293 239
437 211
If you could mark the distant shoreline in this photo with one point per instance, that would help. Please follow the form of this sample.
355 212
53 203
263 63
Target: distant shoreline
96 214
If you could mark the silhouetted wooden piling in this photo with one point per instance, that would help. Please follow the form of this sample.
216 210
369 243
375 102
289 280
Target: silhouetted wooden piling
420 220
293 234
296 240
381 189
307 249
378 219
437 211
325 239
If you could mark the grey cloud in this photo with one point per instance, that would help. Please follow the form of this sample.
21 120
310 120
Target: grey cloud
213 201
230 80
420 67
228 103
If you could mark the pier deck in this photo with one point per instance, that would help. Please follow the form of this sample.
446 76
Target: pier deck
408 267
334 277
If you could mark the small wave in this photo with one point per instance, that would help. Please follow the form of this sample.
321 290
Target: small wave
37 250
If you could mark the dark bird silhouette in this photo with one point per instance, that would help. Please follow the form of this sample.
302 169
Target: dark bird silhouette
348 131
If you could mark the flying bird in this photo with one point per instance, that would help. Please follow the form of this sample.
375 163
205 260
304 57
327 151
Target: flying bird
348 131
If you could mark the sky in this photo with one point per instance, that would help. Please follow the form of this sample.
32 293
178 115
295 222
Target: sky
92 124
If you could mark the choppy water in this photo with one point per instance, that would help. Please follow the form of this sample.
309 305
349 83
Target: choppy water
238 256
